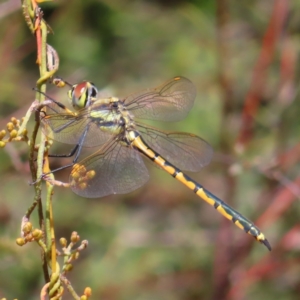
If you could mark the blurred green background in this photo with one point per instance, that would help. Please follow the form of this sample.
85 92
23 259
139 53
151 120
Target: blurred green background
161 241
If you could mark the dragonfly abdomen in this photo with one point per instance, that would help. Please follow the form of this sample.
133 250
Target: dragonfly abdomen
223 208
199 190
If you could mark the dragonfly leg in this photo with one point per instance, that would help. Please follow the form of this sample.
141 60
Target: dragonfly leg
76 151
55 182
52 100
73 151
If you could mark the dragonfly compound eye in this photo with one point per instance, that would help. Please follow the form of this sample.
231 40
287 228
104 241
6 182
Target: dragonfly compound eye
93 91
82 93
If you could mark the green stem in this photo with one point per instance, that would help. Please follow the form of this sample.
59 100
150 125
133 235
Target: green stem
69 287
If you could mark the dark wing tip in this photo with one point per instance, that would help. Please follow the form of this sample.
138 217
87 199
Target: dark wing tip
266 243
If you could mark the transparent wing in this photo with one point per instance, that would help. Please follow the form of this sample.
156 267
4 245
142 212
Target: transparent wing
67 127
117 169
184 150
170 101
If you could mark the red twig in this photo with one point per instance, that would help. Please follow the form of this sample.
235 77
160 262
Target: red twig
287 72
282 201
269 266
253 98
290 157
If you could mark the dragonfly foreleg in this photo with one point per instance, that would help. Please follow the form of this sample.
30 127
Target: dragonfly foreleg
73 151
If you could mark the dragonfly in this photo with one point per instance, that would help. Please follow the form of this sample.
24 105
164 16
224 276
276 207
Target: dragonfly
122 141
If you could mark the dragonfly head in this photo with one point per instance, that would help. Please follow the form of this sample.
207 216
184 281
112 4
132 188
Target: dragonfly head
82 94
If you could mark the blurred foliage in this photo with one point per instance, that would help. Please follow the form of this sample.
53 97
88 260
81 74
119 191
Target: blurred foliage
162 242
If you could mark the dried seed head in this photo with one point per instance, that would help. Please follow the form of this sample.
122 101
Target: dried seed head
10 126
27 227
75 237
2 134
13 133
68 267
20 241
37 234
63 242
87 291
25 132
14 121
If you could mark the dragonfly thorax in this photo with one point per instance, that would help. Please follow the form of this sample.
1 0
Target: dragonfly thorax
111 116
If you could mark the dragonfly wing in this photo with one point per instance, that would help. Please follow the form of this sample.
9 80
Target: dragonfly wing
116 169
170 101
184 150
67 127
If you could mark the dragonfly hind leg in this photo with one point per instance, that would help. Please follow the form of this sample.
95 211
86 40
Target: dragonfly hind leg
47 177
75 151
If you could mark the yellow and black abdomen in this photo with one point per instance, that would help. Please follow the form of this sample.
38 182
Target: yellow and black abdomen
223 208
